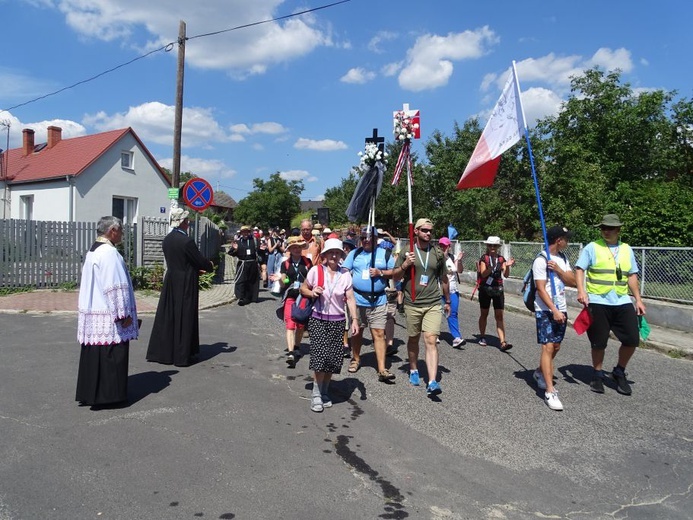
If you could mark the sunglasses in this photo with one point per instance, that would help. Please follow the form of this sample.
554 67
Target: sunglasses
427 230
608 228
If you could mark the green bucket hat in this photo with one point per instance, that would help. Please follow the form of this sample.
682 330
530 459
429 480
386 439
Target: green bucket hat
610 220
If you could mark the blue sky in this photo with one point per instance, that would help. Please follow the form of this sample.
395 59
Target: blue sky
299 96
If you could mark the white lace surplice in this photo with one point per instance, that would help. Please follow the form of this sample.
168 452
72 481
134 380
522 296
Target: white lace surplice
105 296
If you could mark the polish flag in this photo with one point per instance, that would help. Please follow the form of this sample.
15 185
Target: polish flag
503 130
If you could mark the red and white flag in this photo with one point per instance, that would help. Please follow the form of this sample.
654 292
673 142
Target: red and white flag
503 130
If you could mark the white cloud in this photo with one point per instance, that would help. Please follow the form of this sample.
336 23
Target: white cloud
430 61
557 70
539 103
153 122
242 53
612 60
391 69
268 128
295 175
324 145
381 36
69 129
205 168
358 75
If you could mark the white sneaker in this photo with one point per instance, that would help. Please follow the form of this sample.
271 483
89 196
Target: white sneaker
553 401
539 378
458 342
437 341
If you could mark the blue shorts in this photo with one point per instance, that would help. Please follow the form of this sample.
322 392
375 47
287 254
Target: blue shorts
548 330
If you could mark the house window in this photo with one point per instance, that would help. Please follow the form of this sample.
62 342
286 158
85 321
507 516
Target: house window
26 207
125 209
127 160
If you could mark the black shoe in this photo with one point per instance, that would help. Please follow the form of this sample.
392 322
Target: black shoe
622 386
241 303
391 350
291 360
400 308
596 385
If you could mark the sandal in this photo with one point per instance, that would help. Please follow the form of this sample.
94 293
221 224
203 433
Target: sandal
354 366
386 376
505 346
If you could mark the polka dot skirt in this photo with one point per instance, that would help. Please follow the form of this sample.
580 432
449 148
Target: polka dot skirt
326 345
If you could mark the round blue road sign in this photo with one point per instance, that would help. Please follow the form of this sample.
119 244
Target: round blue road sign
198 194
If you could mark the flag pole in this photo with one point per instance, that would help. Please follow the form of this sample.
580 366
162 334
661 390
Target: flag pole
411 221
534 179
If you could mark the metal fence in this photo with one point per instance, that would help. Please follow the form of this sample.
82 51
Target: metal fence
666 273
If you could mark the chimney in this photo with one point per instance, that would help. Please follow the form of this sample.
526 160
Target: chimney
55 135
28 146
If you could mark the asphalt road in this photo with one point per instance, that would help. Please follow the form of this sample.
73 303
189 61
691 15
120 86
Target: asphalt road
233 436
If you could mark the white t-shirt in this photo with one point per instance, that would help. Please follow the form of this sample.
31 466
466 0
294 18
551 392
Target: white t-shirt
452 273
539 270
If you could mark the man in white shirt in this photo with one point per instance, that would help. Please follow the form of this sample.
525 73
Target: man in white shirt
551 276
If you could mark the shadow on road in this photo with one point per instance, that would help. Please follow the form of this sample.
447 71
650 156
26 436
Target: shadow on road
209 351
145 383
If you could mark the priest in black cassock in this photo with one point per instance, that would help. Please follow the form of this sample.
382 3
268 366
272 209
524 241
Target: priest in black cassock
175 335
247 281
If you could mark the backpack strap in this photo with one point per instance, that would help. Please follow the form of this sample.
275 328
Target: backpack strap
321 275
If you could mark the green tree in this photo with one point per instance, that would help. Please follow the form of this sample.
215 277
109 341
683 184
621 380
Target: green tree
271 203
614 150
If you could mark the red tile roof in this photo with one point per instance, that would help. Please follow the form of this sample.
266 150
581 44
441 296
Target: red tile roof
68 157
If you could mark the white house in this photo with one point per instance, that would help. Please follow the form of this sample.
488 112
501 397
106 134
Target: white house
83 178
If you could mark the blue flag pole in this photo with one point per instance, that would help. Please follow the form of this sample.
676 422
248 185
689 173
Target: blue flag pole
536 182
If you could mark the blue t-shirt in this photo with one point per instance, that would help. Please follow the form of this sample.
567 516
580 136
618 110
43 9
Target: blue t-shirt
588 257
359 266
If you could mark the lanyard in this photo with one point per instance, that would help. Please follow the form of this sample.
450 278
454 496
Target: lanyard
418 253
296 266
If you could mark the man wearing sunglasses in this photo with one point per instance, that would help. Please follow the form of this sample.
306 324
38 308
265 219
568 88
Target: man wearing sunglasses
430 275
605 272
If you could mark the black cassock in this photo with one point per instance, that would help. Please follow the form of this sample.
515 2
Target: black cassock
247 281
175 335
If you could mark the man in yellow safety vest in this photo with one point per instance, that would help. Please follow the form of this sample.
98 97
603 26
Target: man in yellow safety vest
605 272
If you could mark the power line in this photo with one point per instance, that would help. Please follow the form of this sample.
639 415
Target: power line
168 47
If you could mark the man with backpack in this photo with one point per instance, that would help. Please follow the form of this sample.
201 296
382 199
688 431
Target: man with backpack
368 264
426 267
551 276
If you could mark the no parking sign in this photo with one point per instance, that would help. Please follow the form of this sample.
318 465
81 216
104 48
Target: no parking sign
198 194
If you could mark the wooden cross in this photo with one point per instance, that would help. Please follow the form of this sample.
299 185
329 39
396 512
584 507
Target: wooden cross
379 141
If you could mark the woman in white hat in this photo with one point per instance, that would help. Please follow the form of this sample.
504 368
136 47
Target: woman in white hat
326 325
491 269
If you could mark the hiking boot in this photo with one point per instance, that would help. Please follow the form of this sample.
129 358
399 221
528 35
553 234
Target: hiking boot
414 378
622 386
433 388
552 401
539 378
597 385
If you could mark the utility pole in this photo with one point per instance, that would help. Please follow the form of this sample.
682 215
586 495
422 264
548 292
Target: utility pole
178 123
